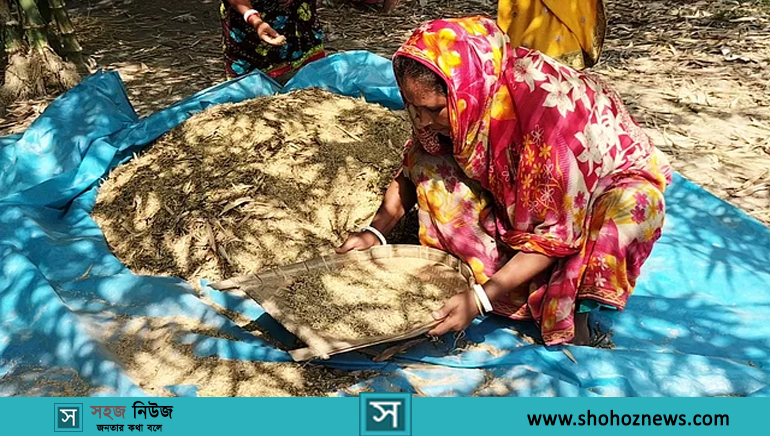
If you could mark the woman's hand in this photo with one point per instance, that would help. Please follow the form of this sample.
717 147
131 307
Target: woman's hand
457 314
359 241
265 32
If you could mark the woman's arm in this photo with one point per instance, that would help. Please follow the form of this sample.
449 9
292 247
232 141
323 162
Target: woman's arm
265 32
520 270
240 5
460 310
399 198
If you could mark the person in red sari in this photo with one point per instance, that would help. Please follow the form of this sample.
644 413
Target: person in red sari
529 171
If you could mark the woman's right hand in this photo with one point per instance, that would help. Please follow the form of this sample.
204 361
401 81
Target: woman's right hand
359 241
266 33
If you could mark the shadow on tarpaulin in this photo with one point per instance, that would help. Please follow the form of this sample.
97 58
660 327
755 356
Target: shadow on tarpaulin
697 325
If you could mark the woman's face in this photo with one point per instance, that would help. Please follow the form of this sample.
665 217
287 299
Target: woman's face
427 107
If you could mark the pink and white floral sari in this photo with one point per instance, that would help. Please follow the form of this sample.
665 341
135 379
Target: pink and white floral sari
542 159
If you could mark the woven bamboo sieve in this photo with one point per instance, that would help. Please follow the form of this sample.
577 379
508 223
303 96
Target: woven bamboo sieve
263 287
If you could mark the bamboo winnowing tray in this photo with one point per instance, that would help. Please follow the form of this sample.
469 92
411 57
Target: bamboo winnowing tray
264 286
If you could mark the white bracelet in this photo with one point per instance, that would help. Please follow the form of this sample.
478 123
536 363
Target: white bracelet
376 233
483 297
249 13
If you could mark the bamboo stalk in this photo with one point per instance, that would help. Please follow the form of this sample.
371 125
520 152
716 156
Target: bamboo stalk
45 11
70 48
13 38
51 28
34 25
62 20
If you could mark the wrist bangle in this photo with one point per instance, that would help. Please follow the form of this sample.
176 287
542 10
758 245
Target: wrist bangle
249 13
478 304
376 233
485 303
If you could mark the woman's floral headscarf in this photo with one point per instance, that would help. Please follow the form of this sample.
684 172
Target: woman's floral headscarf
471 55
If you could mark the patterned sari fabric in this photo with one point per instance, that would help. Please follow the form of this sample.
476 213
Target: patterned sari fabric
245 51
542 159
571 31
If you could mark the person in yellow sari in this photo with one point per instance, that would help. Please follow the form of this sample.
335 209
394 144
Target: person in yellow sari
570 31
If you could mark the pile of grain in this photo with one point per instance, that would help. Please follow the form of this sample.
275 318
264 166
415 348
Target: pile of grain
241 187
365 300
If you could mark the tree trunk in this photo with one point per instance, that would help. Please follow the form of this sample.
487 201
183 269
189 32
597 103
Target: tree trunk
43 54
23 76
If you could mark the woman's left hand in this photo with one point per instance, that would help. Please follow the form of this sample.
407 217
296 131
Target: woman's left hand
270 36
457 314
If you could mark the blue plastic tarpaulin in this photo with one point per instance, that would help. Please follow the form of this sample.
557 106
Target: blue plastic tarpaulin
698 323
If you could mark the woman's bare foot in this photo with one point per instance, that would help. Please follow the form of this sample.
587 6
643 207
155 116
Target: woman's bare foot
582 332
